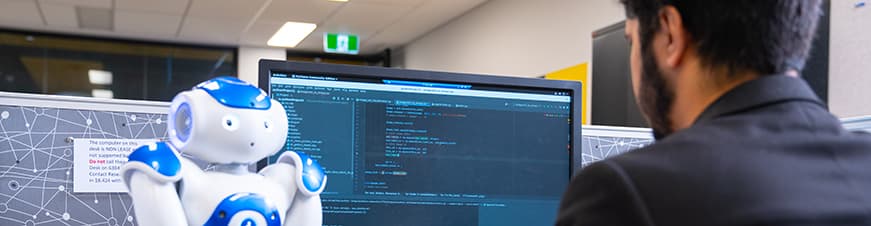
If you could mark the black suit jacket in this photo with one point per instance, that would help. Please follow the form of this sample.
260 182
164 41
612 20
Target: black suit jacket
766 153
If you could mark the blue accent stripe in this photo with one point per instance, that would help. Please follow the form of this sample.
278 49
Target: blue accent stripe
235 203
159 156
412 103
426 84
235 93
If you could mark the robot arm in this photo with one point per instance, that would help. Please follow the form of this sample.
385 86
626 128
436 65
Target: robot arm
304 180
150 175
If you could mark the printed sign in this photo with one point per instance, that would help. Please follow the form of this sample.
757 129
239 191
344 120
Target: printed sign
97 163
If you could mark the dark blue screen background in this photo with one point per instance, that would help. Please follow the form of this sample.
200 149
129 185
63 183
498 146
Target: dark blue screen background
398 158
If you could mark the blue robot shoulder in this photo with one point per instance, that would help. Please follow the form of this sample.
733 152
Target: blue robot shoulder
311 177
157 160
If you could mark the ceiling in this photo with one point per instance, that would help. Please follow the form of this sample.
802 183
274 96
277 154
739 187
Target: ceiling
379 23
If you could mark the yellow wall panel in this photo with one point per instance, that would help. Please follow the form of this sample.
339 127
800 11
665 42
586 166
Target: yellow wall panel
576 73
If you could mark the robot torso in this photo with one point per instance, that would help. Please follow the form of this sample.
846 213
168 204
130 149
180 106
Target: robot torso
217 198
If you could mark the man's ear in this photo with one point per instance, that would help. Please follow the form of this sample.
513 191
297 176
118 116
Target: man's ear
678 38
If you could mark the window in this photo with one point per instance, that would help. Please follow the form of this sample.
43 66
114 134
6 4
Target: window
76 66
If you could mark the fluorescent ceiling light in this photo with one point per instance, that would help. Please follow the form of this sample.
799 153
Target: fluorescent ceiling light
102 93
338 0
100 77
291 34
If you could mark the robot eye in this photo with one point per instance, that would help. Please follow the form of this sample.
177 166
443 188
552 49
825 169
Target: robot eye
267 125
230 122
183 122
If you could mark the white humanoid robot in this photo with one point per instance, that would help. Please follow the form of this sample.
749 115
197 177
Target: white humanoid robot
231 124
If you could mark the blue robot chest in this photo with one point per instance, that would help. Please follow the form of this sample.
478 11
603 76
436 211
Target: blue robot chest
244 209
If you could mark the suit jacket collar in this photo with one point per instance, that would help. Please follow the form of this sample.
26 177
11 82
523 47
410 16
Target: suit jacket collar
767 90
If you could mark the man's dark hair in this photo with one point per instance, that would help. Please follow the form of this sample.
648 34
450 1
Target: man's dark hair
764 36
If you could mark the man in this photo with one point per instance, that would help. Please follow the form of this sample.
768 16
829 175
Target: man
741 140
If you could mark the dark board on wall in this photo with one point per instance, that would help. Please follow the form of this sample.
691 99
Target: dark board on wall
816 70
613 102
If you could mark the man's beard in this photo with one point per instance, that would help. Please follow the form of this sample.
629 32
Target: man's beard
656 97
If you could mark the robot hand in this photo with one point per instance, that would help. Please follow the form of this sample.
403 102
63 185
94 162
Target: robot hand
150 175
304 180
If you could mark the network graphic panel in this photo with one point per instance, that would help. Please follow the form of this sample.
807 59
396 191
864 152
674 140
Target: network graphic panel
859 123
601 142
36 157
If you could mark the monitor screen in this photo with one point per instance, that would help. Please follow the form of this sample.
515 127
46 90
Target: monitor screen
402 150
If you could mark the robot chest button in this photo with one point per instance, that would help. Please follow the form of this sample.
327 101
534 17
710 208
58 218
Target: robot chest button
245 209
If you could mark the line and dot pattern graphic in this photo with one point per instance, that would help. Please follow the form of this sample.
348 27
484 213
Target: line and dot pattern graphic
601 142
596 148
36 164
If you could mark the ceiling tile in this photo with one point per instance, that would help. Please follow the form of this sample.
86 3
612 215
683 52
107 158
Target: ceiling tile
313 43
379 23
243 10
172 7
59 15
95 18
308 11
19 13
364 19
212 30
424 19
393 2
147 23
260 32
103 4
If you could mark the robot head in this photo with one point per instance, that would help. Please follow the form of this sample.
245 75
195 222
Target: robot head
227 120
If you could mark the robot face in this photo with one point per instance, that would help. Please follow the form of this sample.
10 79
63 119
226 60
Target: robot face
227 129
230 122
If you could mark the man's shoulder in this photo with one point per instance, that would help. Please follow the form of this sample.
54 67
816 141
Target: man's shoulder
706 152
689 143
684 156
711 143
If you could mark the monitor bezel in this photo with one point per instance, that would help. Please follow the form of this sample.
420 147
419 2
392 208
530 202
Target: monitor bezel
266 67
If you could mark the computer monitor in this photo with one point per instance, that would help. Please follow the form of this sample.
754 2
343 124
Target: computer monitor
405 147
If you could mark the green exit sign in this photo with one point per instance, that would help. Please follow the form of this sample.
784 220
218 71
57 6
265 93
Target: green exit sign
341 43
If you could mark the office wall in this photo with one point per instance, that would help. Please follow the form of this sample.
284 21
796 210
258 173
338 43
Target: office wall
531 38
249 58
513 37
850 58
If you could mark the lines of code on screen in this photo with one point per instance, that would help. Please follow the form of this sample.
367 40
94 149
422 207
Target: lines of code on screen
395 157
